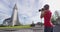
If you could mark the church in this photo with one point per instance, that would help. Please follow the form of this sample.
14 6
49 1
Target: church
14 19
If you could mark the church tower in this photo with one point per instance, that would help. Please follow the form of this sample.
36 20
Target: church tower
14 17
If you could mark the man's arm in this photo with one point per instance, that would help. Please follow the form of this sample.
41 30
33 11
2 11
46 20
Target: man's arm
42 14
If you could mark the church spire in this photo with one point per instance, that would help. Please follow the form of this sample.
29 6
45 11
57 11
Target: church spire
15 7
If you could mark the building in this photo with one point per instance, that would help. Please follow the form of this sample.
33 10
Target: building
14 19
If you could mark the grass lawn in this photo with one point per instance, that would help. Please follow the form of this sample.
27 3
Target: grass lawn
18 27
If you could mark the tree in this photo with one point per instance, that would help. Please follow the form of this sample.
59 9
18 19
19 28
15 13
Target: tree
53 20
32 25
55 17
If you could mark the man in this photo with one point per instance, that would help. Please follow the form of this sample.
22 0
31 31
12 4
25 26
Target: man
48 26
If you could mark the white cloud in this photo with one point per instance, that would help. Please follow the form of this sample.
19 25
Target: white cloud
29 9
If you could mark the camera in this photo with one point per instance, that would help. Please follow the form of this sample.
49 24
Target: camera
41 9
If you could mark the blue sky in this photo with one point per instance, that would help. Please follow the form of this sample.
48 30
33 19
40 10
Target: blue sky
27 9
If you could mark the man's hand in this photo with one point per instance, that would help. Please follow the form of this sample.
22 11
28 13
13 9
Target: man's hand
42 14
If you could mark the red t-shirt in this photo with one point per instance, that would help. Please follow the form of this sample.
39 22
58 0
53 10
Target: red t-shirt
47 19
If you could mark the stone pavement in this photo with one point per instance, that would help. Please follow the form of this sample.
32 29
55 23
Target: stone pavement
57 28
33 29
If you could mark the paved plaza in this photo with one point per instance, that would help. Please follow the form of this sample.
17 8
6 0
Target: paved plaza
33 29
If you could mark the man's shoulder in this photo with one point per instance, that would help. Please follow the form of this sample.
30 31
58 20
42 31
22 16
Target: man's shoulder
49 11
